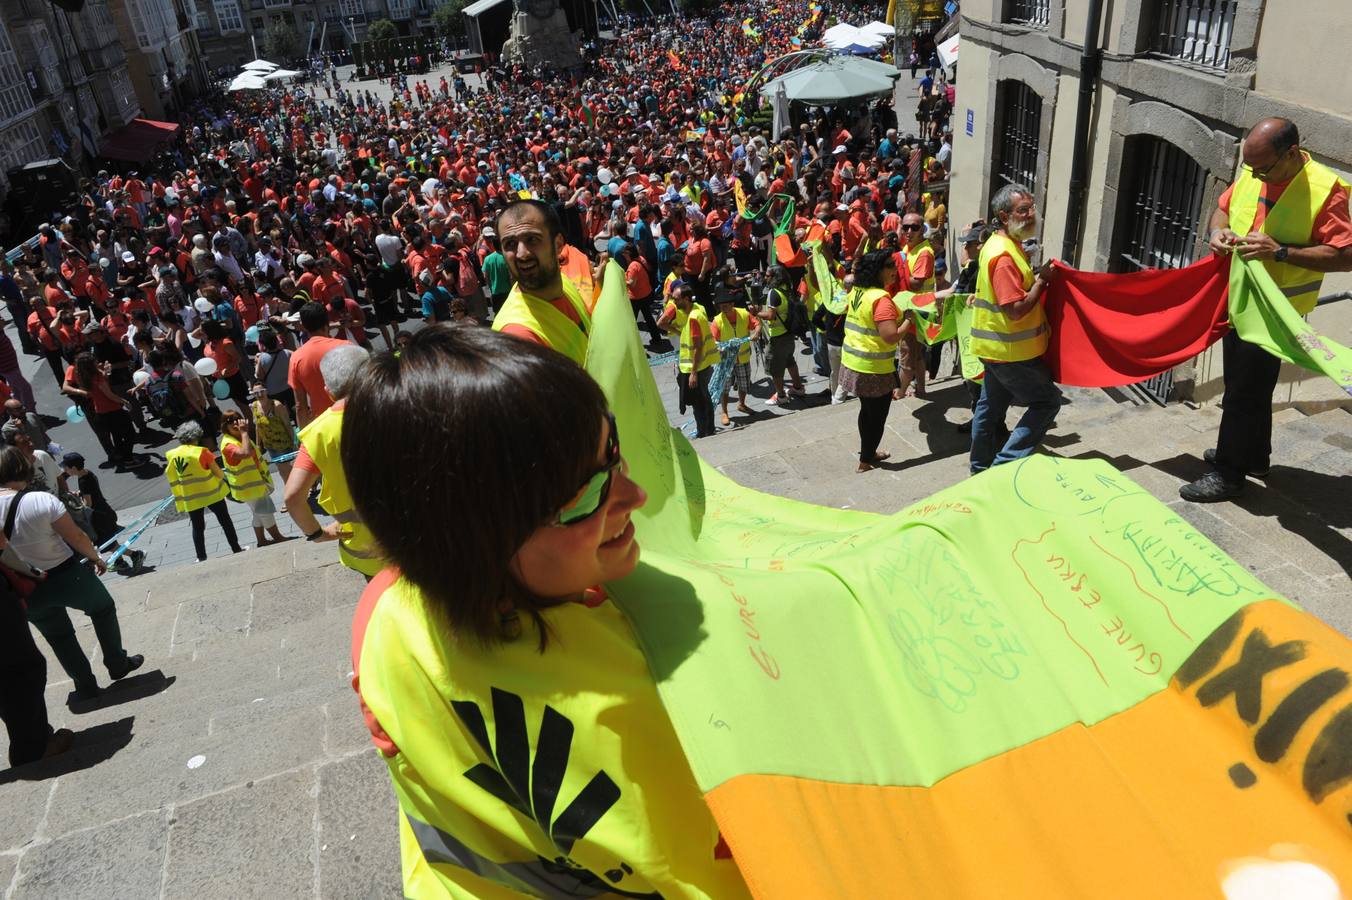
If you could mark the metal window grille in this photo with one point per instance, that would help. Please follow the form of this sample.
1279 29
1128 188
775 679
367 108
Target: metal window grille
1029 12
1018 125
1157 226
16 99
1195 31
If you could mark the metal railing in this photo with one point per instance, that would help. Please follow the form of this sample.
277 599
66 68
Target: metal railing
1037 13
1195 31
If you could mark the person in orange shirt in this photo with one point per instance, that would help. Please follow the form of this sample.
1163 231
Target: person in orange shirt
638 281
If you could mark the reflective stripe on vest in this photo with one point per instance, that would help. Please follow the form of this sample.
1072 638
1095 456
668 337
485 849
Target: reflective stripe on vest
540 317
322 440
864 349
996 336
708 349
741 327
249 480
192 485
1289 221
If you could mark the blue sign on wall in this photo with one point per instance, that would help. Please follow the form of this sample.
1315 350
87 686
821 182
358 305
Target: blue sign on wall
971 122
950 7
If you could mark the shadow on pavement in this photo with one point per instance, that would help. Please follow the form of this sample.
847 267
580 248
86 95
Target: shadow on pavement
93 745
135 687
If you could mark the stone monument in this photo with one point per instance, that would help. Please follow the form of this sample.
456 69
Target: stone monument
540 37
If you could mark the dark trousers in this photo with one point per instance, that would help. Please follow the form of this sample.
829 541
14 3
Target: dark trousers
872 420
19 312
23 678
115 433
72 585
701 401
1245 441
58 364
199 527
644 308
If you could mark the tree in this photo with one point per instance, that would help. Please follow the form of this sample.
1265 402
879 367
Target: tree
280 42
449 19
381 30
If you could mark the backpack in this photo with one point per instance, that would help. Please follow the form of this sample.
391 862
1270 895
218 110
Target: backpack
795 318
165 401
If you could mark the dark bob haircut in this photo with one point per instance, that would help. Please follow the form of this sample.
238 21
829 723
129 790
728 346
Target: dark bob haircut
456 452
14 465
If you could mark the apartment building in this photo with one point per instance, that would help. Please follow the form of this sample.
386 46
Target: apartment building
1175 84
64 82
163 56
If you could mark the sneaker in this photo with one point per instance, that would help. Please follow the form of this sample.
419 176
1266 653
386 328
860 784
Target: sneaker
1210 456
1211 488
129 665
773 401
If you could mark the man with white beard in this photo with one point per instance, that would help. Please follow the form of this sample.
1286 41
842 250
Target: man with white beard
1010 333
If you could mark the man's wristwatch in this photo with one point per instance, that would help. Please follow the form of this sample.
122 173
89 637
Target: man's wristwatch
1281 254
314 535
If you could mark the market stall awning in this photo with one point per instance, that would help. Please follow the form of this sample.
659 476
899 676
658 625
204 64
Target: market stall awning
843 36
834 80
247 81
138 140
260 65
480 6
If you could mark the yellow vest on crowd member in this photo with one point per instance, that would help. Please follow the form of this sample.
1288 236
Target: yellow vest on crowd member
678 316
1290 222
864 349
708 348
540 316
777 326
322 440
739 327
192 484
914 255
995 336
522 773
248 480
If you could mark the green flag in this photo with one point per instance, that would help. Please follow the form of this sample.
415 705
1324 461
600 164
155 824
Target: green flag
1262 315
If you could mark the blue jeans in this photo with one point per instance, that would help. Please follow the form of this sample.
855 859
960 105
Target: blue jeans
821 359
1029 383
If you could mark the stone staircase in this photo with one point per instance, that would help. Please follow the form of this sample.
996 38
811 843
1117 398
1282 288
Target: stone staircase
236 764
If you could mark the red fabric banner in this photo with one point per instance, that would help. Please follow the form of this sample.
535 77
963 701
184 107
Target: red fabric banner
1110 330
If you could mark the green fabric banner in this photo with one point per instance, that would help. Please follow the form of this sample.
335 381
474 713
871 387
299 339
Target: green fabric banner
800 640
1262 315
934 325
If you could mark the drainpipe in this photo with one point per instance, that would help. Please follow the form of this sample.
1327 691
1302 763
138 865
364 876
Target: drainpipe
1090 60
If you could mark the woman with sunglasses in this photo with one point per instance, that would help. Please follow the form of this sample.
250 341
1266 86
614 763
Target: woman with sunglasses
517 716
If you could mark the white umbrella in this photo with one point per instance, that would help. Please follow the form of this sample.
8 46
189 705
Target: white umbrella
781 110
846 37
247 81
280 73
879 28
262 64
833 80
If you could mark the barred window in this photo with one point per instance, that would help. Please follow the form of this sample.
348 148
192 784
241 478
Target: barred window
1160 206
1018 124
1195 31
228 16
354 8
15 97
20 144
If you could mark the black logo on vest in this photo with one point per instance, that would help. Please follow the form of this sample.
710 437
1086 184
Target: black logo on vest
530 785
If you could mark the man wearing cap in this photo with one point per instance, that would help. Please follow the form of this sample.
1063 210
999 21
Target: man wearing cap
543 306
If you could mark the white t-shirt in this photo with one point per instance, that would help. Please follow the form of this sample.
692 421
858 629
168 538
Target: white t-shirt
34 537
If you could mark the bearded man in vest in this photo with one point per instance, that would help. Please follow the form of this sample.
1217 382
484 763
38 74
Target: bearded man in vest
543 306
1010 334
1292 213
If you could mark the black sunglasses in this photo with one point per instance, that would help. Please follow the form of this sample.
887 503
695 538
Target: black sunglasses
596 489
913 228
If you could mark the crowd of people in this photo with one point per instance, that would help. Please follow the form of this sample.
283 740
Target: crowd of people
239 296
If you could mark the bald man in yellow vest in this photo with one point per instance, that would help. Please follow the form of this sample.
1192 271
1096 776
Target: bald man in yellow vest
1292 213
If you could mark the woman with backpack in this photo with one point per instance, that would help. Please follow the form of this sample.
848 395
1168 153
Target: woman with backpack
779 315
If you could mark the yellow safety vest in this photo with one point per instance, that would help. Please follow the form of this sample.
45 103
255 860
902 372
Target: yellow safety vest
995 336
248 480
864 349
914 255
539 315
777 326
322 440
1290 221
708 348
739 327
678 316
193 485
521 773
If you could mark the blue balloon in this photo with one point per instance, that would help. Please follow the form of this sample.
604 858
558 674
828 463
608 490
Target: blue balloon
251 336
75 414
220 389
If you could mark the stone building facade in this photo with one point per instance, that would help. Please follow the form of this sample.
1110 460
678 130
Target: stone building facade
1179 83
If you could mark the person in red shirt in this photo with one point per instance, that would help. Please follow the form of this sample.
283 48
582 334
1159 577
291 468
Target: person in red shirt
303 376
700 263
107 413
639 283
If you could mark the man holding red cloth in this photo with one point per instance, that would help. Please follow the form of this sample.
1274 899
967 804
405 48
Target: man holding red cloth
1292 213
